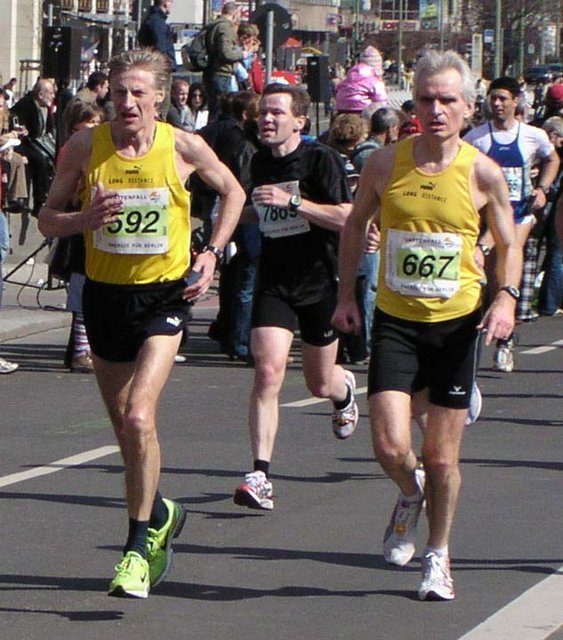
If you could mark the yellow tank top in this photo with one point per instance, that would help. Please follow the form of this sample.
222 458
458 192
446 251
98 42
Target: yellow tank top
150 243
429 228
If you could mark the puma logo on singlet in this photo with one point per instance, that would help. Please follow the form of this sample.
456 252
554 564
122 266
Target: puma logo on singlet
429 186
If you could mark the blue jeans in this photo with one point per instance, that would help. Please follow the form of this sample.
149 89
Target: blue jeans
4 237
215 87
551 289
243 295
369 266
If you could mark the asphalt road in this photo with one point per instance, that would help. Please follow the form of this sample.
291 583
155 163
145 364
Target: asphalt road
311 568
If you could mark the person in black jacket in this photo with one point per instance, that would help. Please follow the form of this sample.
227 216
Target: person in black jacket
155 33
34 113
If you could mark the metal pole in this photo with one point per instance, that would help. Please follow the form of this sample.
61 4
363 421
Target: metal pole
522 29
498 38
269 45
356 34
400 47
139 14
441 25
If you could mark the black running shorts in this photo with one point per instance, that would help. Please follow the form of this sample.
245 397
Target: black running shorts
411 356
119 318
313 320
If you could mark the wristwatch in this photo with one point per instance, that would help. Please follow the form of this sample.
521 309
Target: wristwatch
485 249
512 291
218 253
295 202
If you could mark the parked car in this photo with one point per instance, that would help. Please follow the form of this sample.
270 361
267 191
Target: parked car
556 68
538 73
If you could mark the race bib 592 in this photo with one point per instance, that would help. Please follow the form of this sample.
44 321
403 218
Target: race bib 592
142 227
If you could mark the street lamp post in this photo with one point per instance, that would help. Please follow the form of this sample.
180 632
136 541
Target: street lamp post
498 38
356 36
400 46
441 23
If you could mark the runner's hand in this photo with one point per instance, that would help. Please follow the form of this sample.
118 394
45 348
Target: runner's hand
346 317
105 208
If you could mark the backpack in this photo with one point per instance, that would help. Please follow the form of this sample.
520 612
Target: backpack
195 55
364 146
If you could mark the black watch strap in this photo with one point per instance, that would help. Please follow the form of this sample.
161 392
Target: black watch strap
513 292
218 253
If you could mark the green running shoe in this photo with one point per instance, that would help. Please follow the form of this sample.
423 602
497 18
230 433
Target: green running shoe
159 543
131 578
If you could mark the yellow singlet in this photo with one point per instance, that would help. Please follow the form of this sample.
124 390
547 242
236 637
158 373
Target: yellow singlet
429 228
150 243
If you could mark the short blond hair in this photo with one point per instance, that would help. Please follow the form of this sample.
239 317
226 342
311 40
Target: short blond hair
147 58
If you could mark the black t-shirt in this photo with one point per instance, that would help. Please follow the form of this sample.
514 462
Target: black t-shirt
302 267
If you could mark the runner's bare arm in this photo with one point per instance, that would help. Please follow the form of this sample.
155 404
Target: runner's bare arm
549 167
492 193
105 207
328 216
196 155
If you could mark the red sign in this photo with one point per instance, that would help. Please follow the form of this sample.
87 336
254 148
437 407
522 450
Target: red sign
406 25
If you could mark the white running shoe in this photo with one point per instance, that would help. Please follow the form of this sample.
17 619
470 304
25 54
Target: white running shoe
504 356
256 492
399 541
345 421
7 367
475 405
437 583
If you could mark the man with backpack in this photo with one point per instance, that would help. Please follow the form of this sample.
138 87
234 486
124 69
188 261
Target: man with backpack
223 52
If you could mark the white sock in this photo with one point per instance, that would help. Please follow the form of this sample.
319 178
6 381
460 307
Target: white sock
442 552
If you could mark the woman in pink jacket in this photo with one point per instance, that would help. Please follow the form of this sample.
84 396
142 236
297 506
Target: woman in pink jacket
363 84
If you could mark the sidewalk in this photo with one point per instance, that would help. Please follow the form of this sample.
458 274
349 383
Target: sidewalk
28 306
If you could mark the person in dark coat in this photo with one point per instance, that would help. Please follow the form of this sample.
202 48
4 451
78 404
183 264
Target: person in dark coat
156 33
34 113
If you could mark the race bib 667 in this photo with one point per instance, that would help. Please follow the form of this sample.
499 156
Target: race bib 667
424 265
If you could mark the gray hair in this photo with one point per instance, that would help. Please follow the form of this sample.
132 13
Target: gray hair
434 62
553 125
385 118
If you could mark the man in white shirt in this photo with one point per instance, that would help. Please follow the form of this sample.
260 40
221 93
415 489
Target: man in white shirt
515 146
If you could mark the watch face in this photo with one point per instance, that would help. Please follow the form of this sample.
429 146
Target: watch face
295 201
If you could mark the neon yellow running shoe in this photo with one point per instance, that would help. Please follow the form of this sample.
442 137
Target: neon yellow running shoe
159 543
131 578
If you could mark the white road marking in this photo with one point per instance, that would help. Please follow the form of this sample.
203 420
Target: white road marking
309 401
534 615
543 349
58 465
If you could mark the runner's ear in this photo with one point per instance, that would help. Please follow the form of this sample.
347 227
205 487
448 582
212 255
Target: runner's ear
159 98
